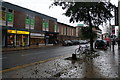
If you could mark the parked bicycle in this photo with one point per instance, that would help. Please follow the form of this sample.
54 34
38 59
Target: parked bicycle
82 50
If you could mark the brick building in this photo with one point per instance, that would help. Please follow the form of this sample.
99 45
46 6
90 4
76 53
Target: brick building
66 32
24 27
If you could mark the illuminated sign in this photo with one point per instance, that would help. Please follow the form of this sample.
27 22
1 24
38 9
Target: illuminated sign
11 31
18 32
36 34
23 32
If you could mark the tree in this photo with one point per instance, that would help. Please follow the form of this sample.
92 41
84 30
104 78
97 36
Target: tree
91 13
85 31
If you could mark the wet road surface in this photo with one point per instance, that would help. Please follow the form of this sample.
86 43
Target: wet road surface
16 58
103 66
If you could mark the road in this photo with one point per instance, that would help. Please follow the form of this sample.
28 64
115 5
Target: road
16 58
106 65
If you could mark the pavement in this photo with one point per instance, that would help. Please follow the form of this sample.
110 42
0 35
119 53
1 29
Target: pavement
103 65
26 47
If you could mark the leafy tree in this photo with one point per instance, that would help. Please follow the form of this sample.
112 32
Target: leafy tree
85 31
91 13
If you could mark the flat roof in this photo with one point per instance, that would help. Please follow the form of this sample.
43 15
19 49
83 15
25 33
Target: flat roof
65 24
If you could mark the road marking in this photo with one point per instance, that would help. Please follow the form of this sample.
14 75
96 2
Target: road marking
31 54
26 65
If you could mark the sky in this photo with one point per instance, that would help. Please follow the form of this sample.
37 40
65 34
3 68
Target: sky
42 6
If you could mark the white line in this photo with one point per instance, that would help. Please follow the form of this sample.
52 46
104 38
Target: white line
31 54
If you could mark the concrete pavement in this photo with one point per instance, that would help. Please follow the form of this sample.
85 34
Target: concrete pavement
104 65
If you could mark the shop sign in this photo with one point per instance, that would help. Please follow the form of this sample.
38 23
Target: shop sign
27 21
10 17
11 31
36 34
32 21
23 32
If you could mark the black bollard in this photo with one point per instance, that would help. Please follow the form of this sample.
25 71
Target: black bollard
74 57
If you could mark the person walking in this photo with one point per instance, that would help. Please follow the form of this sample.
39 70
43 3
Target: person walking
113 43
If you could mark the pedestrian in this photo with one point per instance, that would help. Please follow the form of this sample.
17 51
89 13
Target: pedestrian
113 43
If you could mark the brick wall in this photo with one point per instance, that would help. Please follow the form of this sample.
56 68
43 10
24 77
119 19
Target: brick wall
38 23
51 25
19 19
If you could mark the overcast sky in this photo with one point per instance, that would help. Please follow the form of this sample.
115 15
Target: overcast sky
42 6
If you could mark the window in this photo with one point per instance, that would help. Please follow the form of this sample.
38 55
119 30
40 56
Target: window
10 10
29 22
32 22
3 16
55 27
64 30
10 17
45 25
3 8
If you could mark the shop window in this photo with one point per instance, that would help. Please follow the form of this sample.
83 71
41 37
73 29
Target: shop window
25 40
11 39
19 40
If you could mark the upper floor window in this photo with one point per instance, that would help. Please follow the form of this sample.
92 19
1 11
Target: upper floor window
3 16
64 30
32 22
10 17
29 22
55 27
3 8
45 25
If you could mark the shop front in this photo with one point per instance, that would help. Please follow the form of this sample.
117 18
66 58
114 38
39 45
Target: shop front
17 38
37 38
51 38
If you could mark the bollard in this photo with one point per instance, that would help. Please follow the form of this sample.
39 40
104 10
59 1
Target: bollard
74 57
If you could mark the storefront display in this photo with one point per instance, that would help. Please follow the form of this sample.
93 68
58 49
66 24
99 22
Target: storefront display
37 38
17 38
11 40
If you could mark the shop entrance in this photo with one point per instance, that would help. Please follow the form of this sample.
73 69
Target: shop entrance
18 40
21 40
